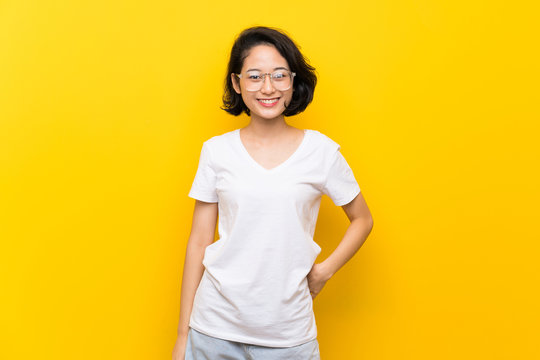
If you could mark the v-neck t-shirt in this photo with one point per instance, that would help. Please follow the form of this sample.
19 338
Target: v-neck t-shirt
254 286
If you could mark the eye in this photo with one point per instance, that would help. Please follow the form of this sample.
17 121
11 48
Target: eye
254 77
280 75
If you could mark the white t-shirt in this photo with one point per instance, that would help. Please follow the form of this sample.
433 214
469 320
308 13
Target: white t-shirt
254 288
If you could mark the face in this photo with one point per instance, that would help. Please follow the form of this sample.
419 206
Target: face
266 59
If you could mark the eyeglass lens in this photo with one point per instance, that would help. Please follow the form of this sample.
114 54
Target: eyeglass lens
281 80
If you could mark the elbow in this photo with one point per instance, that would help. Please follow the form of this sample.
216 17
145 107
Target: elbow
370 223
366 222
201 240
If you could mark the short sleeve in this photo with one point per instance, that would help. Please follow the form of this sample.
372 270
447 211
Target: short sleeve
341 185
204 184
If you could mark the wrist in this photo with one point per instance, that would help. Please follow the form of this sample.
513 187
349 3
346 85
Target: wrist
325 270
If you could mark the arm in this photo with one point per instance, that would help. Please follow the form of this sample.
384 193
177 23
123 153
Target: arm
355 236
202 233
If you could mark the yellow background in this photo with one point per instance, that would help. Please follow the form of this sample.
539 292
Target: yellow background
104 106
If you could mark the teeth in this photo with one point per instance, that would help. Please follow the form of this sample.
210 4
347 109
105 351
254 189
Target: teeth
268 101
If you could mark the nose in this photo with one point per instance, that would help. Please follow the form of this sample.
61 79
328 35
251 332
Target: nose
267 87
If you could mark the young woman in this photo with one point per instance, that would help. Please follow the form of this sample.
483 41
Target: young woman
249 295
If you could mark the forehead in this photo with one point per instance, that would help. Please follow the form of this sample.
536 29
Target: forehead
264 57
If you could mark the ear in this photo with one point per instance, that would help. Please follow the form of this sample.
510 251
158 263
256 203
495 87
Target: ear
235 83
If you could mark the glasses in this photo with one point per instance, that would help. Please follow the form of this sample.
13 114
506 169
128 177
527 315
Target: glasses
281 80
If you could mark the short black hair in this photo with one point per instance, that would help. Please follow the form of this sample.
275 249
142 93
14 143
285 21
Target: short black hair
304 81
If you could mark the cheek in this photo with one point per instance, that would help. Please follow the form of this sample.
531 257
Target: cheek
246 98
288 97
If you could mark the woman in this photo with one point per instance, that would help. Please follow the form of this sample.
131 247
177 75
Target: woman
249 295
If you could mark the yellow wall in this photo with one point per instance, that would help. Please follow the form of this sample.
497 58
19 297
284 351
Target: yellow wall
104 107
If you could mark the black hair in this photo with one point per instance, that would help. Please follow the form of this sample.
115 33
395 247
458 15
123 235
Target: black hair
304 81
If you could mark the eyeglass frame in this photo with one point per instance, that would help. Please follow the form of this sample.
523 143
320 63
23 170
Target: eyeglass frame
292 74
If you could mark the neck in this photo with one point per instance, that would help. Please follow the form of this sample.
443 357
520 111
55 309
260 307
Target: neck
265 128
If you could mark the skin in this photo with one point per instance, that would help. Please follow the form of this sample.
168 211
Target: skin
267 138
270 141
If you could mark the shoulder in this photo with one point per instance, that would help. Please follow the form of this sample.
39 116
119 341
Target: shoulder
217 142
323 141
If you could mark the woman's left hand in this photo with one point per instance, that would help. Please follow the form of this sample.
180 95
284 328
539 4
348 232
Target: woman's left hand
317 278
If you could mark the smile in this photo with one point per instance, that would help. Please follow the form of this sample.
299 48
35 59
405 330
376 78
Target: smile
268 102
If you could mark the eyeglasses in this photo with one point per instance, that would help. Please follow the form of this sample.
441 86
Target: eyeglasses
281 79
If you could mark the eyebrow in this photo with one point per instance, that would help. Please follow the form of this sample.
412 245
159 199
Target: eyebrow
278 68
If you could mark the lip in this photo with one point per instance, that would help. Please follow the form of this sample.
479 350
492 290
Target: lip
271 104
